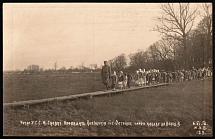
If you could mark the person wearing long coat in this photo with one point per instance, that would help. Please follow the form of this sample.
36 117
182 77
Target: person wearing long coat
105 74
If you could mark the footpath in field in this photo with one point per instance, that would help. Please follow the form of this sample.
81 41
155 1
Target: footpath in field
85 95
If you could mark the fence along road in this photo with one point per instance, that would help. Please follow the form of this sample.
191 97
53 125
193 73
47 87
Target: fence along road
84 95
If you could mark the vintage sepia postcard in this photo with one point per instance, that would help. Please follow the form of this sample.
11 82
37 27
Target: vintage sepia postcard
107 69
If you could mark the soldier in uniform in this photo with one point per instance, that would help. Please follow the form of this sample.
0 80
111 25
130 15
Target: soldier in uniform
105 74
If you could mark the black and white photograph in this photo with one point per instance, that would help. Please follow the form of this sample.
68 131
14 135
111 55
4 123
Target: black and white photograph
108 69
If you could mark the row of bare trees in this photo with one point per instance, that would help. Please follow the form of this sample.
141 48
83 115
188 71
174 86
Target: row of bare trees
181 46
118 63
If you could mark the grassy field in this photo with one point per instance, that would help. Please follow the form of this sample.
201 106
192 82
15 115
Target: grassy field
182 103
39 86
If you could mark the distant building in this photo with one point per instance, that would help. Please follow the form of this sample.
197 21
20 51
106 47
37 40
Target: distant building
33 68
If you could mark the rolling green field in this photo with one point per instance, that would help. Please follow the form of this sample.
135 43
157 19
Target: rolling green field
39 86
182 103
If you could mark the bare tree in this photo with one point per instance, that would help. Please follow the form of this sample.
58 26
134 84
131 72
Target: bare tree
153 55
166 49
177 22
139 59
118 63
162 51
205 27
174 52
111 64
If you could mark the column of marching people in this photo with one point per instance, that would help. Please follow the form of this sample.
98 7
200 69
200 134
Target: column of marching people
142 77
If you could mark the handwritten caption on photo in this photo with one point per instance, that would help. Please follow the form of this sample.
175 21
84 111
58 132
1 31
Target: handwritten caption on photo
201 127
102 123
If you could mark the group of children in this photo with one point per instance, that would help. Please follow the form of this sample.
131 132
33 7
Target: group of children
154 76
123 80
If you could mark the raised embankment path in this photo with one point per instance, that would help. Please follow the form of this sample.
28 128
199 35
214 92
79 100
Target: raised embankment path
84 95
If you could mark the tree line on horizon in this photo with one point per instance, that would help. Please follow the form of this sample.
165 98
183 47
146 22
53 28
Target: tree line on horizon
181 46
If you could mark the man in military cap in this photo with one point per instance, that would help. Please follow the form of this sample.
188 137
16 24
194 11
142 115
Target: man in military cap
105 74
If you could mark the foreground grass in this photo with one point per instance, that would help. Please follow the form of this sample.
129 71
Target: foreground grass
184 103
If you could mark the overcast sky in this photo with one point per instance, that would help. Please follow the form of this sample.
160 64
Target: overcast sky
70 34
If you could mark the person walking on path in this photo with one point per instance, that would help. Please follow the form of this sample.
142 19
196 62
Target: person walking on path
144 77
129 79
125 81
114 80
140 77
136 78
121 79
105 74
